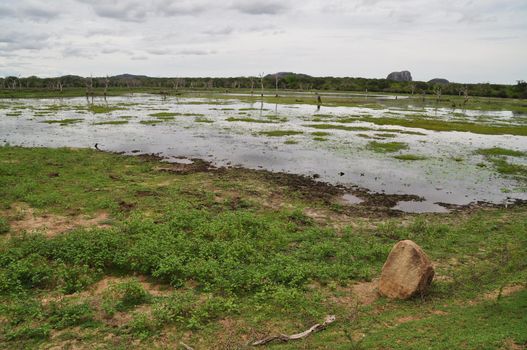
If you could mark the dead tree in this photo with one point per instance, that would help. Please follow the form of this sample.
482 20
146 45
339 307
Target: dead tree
252 85
261 76
276 84
438 92
465 95
89 89
106 84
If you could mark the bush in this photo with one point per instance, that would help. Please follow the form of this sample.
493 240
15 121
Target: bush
124 296
4 226
63 315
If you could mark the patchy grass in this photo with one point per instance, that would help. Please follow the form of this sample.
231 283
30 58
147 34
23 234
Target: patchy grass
290 142
443 125
203 120
236 258
386 147
66 121
249 120
320 133
279 133
498 151
99 109
338 127
409 157
112 122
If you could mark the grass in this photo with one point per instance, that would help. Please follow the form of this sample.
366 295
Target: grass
249 120
338 127
99 109
112 122
203 120
279 133
194 254
409 157
67 121
443 125
498 151
386 147
497 156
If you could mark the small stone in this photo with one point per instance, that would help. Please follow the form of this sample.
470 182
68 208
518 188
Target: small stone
406 272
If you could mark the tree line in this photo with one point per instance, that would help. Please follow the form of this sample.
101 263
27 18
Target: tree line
284 82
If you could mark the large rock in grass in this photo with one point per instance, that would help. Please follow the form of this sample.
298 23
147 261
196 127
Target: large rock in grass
406 272
400 76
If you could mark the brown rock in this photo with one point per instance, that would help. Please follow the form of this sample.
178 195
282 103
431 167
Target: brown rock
406 272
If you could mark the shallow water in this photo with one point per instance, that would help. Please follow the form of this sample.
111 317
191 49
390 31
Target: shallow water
451 172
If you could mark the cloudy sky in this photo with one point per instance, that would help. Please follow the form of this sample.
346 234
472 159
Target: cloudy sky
461 40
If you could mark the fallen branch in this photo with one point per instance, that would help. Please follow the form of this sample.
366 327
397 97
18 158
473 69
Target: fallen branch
285 338
185 346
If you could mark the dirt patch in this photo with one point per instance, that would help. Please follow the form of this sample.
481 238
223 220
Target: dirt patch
366 292
405 319
25 219
505 291
187 167
510 344
362 293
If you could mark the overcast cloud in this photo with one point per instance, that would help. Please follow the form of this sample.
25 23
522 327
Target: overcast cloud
461 40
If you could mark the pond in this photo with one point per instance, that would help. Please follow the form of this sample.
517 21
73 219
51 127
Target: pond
332 144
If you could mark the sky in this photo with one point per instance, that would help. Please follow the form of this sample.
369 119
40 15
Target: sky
466 41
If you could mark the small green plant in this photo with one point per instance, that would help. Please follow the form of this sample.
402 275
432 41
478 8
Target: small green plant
278 133
386 147
4 226
409 157
124 296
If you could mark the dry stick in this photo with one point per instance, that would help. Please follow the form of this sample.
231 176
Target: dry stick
285 338
185 346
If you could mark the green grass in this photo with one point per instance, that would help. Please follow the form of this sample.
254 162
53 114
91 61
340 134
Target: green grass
98 109
442 125
409 157
279 133
338 127
112 122
203 120
235 248
386 147
498 151
249 120
290 142
320 133
67 121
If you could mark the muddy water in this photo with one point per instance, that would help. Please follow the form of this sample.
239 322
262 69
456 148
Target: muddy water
451 173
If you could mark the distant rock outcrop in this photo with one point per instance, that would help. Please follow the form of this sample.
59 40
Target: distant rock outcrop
400 76
407 272
438 81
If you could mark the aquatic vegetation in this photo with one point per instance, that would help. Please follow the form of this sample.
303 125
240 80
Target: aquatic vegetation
249 120
320 133
99 109
386 147
203 120
318 138
409 157
444 125
161 115
63 121
112 122
278 133
13 114
498 151
385 135
290 142
338 127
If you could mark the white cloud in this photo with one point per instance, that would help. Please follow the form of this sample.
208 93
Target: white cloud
461 40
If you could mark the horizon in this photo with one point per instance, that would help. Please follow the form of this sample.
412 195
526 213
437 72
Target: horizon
462 41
